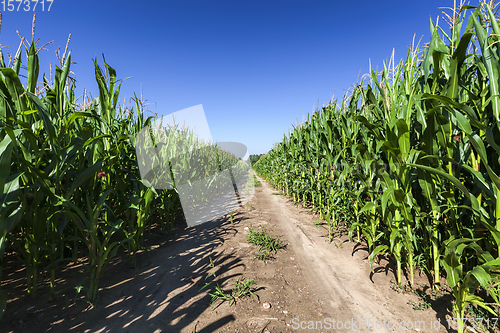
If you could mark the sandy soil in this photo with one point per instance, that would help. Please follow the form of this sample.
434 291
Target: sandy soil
309 286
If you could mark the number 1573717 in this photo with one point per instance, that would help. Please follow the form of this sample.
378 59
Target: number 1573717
26 5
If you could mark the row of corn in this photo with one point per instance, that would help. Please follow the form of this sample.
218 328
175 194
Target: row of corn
410 161
71 189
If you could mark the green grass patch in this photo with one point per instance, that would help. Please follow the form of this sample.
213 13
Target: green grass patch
266 242
241 288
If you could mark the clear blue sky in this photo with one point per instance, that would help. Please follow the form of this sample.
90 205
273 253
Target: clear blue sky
256 66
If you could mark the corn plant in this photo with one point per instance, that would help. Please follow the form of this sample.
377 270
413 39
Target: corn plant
464 283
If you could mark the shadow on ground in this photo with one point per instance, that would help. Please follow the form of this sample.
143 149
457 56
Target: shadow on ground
161 295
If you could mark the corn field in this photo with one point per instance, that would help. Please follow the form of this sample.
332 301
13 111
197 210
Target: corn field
70 179
410 160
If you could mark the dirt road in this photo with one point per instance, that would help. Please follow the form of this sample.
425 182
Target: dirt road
343 277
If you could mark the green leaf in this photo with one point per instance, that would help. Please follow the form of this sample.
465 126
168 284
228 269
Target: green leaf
15 88
6 147
491 62
33 68
82 177
452 179
381 249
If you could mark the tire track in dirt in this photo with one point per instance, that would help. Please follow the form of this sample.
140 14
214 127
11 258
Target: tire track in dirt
343 281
